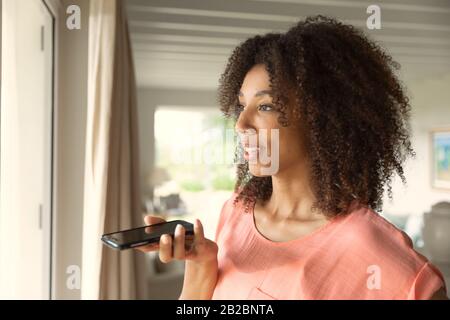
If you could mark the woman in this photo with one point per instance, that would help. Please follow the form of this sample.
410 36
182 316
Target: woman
309 229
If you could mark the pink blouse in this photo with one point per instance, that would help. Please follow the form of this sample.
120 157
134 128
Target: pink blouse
357 256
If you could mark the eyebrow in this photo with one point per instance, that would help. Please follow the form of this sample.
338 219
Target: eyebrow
259 93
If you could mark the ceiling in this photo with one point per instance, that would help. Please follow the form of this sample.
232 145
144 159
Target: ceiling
186 43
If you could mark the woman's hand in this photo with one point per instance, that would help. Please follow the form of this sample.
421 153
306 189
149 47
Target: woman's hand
201 258
195 248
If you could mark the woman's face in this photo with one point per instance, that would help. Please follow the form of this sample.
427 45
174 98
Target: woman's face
268 147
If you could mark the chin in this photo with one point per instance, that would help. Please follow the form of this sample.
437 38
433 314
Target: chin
255 170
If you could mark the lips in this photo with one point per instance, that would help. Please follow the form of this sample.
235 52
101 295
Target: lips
251 153
251 149
246 144
250 145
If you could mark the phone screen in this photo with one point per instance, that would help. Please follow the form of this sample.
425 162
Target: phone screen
144 235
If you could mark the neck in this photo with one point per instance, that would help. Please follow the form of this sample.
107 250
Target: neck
292 197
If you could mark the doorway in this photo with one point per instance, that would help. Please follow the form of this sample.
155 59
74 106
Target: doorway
26 149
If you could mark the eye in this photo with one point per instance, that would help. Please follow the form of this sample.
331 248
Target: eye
265 107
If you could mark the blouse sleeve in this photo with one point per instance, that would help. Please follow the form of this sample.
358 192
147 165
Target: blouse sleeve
427 281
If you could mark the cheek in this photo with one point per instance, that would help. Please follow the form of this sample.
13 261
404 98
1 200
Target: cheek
289 147
287 139
269 130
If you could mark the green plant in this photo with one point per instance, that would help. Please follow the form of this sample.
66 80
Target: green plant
192 185
223 182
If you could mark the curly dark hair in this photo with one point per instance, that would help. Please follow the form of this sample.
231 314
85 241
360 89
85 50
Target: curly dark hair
344 90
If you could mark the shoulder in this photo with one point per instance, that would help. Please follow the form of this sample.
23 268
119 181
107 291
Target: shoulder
381 246
227 212
374 232
229 205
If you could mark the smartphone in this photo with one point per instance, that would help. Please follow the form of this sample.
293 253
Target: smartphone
141 236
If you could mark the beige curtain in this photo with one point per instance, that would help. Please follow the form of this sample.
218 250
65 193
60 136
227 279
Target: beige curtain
112 195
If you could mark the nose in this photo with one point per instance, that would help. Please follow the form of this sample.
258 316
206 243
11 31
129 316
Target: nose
243 123
244 127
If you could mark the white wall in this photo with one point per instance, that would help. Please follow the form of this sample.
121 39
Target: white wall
430 100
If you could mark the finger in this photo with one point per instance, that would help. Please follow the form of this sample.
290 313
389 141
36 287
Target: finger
148 247
178 248
189 247
198 230
153 220
188 241
165 248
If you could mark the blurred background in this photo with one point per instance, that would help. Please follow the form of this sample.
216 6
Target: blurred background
52 92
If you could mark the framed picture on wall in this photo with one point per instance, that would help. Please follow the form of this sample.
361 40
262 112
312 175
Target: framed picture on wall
440 146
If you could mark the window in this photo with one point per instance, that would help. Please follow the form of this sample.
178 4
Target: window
194 172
